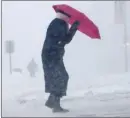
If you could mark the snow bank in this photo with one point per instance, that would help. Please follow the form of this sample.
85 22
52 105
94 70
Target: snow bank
111 83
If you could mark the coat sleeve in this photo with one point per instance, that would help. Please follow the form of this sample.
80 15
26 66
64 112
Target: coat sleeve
71 32
60 35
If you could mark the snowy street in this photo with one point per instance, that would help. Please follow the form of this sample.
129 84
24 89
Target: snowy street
114 104
109 100
89 105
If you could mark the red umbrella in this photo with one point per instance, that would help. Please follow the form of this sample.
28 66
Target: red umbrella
86 25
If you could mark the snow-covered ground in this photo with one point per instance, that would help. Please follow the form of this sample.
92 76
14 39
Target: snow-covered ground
105 97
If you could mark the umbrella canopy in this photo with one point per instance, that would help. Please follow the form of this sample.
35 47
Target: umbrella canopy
86 25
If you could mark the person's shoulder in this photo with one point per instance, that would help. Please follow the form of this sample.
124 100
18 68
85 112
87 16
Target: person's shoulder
57 24
52 23
57 21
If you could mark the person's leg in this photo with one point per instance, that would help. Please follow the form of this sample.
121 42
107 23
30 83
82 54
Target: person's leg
48 83
53 102
60 83
50 102
57 106
58 86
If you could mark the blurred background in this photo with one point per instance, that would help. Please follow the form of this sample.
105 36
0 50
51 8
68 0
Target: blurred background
89 62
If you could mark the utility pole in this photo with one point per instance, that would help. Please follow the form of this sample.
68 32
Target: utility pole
10 50
121 18
125 42
125 36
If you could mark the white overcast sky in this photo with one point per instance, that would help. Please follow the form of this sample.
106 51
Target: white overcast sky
26 22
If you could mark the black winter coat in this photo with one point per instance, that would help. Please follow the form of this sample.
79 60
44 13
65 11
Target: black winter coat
55 74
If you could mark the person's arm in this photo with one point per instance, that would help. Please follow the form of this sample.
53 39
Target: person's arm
71 32
57 33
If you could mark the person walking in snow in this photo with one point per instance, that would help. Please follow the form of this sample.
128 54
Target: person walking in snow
56 77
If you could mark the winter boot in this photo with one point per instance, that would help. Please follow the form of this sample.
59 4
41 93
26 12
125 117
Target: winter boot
57 107
50 102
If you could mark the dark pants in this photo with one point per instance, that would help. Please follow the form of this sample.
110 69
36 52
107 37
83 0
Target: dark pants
56 77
